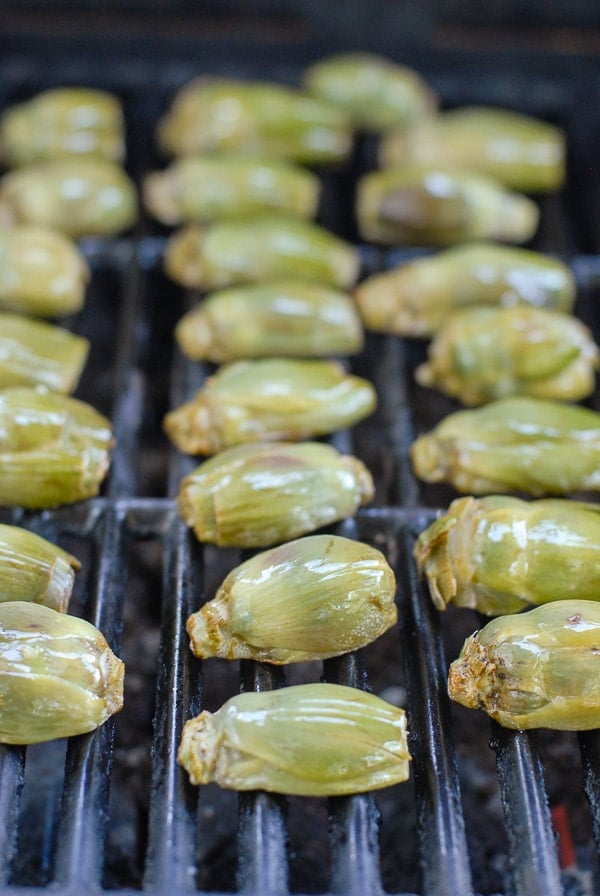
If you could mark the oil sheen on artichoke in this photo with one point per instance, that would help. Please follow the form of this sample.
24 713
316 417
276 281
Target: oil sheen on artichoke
263 493
308 599
499 554
538 669
308 739
58 676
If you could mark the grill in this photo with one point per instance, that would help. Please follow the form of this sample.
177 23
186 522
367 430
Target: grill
112 811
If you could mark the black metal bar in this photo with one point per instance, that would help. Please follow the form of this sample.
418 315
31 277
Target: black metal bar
84 813
262 837
171 852
354 820
392 378
129 384
186 378
262 845
443 843
589 742
531 841
12 762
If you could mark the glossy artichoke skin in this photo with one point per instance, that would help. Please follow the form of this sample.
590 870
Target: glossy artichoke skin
375 91
287 318
58 676
499 554
65 121
54 449
256 495
479 354
538 669
256 249
34 569
415 298
207 187
308 599
273 399
520 151
78 197
42 272
37 353
440 206
513 445
310 740
259 118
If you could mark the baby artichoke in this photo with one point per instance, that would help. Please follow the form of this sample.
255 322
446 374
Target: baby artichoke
480 353
58 676
414 298
264 493
42 272
308 739
271 399
513 445
376 92
65 121
221 114
34 569
539 669
289 318
267 247
36 353
439 205
308 599
520 151
212 187
76 196
53 449
499 554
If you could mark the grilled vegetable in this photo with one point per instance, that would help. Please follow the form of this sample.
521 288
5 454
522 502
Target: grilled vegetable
309 739
267 247
308 599
36 353
270 399
376 92
265 493
539 669
34 569
519 151
65 121
215 114
282 317
58 676
53 449
414 298
480 353
76 196
499 554
437 205
513 445
213 187
41 272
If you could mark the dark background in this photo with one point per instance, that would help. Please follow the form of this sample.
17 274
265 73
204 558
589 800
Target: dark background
387 25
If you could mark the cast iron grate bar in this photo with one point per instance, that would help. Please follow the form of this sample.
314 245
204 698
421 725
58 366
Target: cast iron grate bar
170 858
531 840
79 857
589 742
12 763
443 844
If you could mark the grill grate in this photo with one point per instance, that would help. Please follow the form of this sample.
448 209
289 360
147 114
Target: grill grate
111 810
